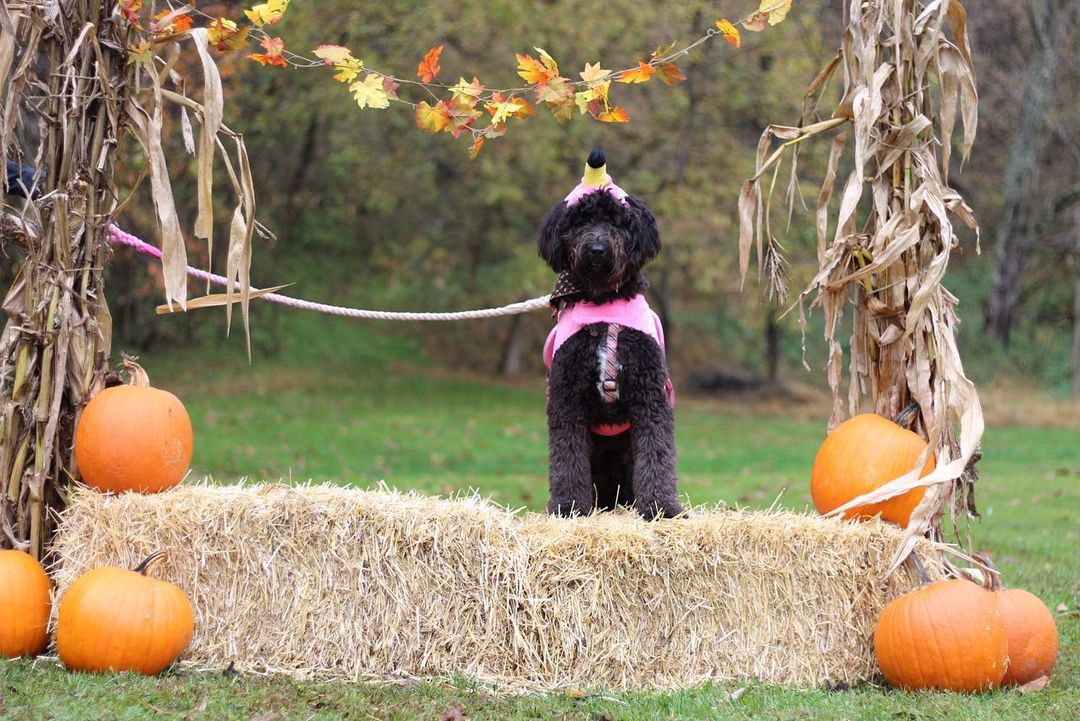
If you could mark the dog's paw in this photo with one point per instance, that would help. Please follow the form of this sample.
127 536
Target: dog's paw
655 510
565 509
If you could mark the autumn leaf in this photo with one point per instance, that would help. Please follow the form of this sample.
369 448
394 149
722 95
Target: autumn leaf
615 115
463 114
369 92
770 11
670 73
468 93
559 96
274 47
777 9
140 53
583 98
662 50
429 67
169 21
267 13
502 109
537 72
594 75
130 9
641 74
729 31
390 86
433 118
474 150
526 111
224 35
334 54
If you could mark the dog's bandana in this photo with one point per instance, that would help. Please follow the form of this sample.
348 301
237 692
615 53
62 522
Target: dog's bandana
629 313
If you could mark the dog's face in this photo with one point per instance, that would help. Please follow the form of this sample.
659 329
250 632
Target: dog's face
600 240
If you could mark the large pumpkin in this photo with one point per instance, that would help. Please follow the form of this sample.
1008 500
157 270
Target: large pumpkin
1032 635
24 605
133 438
861 454
946 635
112 619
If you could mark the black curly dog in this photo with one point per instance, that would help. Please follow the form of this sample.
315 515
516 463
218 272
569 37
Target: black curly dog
599 244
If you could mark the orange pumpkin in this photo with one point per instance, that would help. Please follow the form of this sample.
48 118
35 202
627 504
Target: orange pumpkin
24 605
861 454
112 619
133 438
1032 635
946 635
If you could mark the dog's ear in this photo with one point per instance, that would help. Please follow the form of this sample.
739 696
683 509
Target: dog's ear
551 246
644 241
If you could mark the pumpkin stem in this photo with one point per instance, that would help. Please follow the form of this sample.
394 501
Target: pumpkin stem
136 375
992 577
906 418
152 558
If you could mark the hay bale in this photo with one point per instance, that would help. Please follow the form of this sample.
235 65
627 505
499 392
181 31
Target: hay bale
327 581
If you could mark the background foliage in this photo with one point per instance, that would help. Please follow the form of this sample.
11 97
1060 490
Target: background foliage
369 211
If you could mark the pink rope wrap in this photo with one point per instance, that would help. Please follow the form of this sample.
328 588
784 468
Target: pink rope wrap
119 237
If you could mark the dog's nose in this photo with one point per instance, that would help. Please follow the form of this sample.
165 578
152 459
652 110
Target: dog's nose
596 249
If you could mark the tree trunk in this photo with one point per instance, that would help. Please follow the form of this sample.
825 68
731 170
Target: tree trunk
54 349
1076 326
515 342
1052 22
772 348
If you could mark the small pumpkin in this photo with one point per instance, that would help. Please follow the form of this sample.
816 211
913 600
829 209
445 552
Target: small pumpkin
1029 626
1032 635
24 605
946 635
133 437
112 619
862 454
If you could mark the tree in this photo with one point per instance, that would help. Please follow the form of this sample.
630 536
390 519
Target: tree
1052 23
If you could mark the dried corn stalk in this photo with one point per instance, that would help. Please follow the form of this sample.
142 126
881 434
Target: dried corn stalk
893 236
70 89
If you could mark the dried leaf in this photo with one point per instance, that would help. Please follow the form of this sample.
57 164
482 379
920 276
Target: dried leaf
212 113
748 199
1036 685
215 300
174 254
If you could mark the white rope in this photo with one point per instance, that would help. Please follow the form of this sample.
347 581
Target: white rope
524 306
118 236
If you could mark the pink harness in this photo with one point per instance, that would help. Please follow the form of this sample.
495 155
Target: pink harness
618 314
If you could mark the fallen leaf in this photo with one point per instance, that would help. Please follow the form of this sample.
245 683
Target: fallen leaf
429 67
1032 686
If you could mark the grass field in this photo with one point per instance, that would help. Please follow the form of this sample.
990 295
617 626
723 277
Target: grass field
363 408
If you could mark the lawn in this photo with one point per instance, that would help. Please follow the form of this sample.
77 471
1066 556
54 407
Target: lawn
363 407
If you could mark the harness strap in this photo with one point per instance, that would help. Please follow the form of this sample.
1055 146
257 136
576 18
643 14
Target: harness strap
608 357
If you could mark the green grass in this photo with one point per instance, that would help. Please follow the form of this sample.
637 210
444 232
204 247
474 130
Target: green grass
362 408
